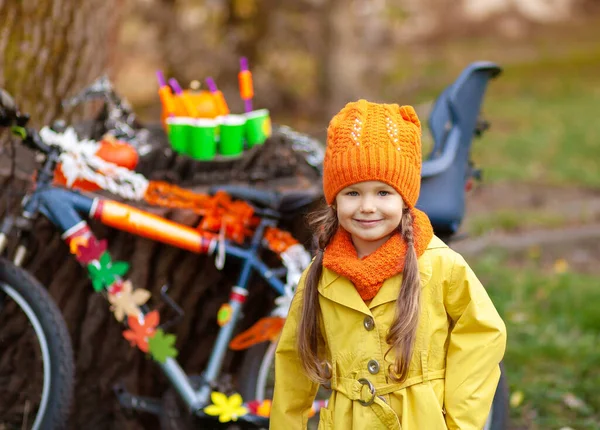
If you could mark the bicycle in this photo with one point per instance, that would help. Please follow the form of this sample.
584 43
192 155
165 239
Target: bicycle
68 209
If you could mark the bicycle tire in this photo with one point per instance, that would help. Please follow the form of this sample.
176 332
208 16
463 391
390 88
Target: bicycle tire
45 317
249 383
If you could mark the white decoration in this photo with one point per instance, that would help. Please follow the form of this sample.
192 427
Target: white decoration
79 161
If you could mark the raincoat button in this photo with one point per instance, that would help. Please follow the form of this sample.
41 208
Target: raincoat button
373 366
369 323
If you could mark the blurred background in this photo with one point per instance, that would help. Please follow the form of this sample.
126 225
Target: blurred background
533 226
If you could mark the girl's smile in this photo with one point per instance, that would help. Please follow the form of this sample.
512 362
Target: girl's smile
367 223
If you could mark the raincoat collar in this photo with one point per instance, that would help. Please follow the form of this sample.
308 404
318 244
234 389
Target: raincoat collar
344 293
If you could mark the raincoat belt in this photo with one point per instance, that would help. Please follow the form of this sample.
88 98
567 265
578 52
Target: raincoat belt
363 391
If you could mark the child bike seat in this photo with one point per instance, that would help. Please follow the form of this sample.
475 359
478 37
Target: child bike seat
453 122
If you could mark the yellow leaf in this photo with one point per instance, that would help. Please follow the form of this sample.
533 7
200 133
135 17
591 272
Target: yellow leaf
212 410
516 399
219 399
227 408
235 401
561 266
225 417
239 412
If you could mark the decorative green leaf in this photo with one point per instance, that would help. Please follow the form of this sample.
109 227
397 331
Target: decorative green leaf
161 346
93 270
105 259
19 131
104 272
98 284
97 277
120 268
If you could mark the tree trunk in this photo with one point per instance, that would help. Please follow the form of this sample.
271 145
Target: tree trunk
51 48
340 57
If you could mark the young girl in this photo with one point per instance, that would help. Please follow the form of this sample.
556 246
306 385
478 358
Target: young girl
388 317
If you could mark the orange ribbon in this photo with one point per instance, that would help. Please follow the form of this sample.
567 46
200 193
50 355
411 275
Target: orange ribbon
219 210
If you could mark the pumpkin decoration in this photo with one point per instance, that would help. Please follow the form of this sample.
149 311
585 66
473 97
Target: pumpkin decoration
204 101
111 150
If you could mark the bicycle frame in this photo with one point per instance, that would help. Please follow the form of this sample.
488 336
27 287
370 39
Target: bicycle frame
68 209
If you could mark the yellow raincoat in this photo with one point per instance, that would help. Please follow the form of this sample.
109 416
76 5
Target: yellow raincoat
453 372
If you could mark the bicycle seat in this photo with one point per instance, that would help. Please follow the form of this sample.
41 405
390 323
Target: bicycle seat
452 123
284 202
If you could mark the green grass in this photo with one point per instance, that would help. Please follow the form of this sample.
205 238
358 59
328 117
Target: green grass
513 220
553 352
544 119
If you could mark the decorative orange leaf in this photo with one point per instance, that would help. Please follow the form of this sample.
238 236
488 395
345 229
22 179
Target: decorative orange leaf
139 332
266 328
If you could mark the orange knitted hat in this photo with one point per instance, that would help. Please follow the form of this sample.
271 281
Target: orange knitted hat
374 142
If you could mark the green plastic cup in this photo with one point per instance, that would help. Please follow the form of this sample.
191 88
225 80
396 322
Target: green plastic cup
232 132
180 132
258 127
202 144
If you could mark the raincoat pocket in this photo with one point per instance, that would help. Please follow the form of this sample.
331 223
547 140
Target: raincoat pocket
427 409
325 419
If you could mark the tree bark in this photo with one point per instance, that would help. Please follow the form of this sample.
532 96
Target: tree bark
341 59
51 48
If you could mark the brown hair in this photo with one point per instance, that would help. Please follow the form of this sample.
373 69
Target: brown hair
402 333
324 221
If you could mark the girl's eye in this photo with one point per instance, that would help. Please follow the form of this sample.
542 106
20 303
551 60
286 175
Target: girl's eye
352 193
384 193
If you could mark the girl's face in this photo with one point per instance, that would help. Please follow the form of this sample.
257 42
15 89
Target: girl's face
371 212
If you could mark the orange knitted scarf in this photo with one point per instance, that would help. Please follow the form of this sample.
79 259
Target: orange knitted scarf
368 273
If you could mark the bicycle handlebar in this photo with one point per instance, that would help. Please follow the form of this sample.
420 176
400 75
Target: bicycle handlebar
34 141
100 88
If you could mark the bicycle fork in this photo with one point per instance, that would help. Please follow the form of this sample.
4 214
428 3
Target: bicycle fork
24 225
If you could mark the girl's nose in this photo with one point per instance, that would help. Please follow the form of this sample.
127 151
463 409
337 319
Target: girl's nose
367 205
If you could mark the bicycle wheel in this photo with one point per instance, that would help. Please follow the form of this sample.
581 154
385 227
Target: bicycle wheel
257 376
36 357
258 381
